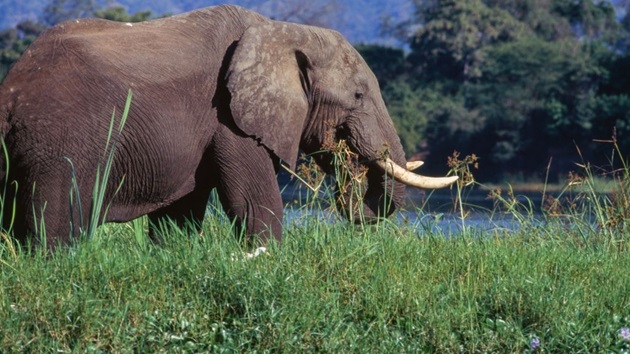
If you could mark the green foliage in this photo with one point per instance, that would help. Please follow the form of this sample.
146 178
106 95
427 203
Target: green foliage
63 10
408 111
613 112
591 19
330 287
561 19
118 13
424 116
535 92
518 82
14 41
387 63
449 44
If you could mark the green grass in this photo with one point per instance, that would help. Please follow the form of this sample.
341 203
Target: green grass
328 288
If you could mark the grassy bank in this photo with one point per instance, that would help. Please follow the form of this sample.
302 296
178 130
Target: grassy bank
555 282
329 287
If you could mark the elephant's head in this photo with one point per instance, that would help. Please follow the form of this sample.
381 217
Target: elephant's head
291 83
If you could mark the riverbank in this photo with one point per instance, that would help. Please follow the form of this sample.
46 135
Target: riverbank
551 281
331 287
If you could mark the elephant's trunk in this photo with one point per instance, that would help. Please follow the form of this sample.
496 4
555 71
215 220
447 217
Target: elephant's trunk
386 176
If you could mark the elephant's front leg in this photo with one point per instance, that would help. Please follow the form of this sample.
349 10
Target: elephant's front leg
247 186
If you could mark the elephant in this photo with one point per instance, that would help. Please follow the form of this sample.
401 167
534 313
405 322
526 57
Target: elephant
222 98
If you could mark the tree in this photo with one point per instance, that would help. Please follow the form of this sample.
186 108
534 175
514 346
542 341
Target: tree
453 34
588 18
429 123
514 81
14 41
562 19
118 13
387 63
63 10
613 113
537 97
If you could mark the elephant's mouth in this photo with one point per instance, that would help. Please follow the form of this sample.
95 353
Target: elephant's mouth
380 189
393 169
381 197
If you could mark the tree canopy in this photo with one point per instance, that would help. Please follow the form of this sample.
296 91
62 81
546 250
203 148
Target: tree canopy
516 82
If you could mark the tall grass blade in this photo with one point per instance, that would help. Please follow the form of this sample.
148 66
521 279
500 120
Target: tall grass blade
98 210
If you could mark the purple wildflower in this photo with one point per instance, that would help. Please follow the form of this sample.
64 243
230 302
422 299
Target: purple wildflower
624 333
534 344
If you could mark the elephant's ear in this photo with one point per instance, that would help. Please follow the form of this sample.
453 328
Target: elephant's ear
267 80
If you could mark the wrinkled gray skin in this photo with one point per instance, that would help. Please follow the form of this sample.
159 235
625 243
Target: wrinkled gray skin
222 95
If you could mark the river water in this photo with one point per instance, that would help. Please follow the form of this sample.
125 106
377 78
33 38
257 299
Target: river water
428 210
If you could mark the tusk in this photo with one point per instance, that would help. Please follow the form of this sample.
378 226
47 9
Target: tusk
412 179
412 165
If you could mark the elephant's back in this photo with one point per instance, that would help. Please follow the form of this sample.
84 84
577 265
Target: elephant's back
120 51
166 50
91 64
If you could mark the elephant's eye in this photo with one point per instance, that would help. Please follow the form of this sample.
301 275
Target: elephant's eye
358 95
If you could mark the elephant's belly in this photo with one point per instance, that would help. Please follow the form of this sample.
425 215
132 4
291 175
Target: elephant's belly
142 194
